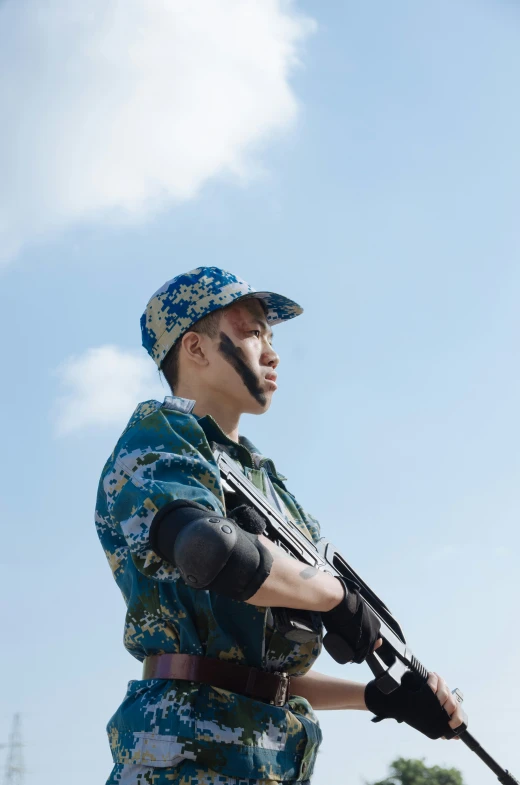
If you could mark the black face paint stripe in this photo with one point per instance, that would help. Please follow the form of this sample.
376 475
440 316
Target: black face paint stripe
235 357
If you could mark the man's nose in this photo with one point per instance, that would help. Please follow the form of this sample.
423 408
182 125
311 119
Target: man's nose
271 358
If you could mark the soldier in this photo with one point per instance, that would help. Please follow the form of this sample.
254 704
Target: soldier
215 704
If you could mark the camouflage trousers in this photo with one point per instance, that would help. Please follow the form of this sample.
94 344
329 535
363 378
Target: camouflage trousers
186 773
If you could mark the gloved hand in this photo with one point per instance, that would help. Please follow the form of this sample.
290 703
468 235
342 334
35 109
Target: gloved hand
352 628
418 706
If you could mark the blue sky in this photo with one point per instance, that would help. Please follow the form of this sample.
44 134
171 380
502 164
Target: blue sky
378 187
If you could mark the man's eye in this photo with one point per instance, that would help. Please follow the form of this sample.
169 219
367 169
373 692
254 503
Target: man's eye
255 333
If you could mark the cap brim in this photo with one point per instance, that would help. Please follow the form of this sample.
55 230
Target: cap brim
279 308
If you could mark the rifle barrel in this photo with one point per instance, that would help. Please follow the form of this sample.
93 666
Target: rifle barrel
503 775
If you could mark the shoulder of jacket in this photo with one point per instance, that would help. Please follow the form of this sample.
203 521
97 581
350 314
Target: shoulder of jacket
147 410
154 428
141 412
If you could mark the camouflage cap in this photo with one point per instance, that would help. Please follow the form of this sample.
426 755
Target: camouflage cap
184 300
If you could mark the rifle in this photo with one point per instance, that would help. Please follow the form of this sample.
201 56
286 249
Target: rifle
393 658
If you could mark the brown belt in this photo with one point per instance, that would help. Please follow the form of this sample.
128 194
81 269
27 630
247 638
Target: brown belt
272 687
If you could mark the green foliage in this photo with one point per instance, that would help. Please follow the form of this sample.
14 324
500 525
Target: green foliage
415 772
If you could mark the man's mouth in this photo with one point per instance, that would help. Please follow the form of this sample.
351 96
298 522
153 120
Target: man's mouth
271 380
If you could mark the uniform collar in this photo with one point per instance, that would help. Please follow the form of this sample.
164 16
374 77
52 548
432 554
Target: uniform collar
244 450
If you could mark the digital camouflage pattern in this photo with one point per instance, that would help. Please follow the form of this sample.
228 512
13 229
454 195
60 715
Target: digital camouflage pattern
165 454
187 773
184 300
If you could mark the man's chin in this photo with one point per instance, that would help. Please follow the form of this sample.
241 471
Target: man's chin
260 405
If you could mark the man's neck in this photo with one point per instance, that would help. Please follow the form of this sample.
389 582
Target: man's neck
224 415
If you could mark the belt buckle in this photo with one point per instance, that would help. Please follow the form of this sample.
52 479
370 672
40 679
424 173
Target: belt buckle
282 691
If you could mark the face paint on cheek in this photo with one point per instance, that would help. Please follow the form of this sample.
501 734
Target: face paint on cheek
235 357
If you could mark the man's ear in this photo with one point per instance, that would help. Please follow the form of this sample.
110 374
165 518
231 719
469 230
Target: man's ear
193 345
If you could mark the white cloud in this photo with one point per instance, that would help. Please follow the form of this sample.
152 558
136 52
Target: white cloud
101 388
112 110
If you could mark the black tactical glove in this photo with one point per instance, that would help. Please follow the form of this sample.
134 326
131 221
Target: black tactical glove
352 628
416 705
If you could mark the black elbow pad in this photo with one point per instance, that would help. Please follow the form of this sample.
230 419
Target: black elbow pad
210 552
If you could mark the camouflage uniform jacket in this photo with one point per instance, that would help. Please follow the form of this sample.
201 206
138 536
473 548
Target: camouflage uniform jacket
165 454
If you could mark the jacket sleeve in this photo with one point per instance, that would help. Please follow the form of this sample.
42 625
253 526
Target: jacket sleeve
163 459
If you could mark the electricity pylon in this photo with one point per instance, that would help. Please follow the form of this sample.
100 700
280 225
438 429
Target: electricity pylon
14 768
